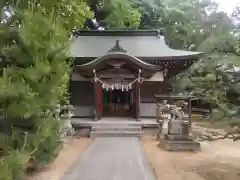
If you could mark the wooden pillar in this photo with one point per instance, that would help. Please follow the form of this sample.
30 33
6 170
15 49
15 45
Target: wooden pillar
95 102
137 100
97 97
189 115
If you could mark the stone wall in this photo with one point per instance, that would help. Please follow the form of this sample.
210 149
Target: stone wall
148 110
83 111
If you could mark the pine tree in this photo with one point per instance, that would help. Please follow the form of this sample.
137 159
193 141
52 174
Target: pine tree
35 66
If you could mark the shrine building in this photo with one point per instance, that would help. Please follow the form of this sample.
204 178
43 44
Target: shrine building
116 72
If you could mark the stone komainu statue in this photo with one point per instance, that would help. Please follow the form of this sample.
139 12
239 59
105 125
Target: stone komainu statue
176 113
176 124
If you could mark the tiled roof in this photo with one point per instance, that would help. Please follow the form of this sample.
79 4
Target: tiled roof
138 43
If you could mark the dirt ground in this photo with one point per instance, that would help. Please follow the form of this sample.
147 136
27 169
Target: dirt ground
218 160
62 163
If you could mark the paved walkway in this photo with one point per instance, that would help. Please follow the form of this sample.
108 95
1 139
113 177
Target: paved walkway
113 158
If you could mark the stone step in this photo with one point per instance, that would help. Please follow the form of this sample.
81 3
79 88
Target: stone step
79 123
122 124
94 134
116 128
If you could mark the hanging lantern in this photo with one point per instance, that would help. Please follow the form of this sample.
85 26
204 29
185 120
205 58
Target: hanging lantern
130 86
103 86
112 87
122 88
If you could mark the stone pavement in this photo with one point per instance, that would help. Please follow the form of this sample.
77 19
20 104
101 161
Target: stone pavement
112 158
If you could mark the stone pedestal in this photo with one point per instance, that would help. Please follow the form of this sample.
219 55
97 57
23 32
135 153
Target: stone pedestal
179 145
67 131
67 127
177 138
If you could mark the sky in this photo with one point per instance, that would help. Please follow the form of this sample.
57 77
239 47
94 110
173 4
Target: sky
227 5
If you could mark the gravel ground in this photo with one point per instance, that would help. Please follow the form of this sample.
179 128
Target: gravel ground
218 160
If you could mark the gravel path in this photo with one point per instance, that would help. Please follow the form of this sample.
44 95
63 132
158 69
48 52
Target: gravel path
113 158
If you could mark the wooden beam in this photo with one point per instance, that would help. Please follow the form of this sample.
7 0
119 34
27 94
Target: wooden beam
137 100
171 97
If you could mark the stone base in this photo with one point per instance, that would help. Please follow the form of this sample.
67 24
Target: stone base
179 145
172 137
82 132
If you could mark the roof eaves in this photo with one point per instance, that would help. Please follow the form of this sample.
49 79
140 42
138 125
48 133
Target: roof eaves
195 55
117 54
156 58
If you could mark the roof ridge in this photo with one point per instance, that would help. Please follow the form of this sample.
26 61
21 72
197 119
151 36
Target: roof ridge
119 32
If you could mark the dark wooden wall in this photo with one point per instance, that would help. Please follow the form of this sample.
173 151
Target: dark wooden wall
81 93
82 98
149 88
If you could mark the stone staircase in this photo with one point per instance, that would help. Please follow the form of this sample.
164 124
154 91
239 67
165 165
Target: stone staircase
116 130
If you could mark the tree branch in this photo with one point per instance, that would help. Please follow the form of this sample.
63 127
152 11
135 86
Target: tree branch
213 136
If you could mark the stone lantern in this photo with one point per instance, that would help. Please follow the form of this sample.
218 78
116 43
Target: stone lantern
67 129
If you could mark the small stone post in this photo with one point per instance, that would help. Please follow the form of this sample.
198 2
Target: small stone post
189 115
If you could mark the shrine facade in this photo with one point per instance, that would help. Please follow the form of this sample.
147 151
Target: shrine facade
117 72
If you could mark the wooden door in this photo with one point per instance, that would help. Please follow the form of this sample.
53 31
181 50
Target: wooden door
116 104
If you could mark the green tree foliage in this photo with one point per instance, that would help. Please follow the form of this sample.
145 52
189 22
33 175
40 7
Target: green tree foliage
201 27
153 13
72 13
34 72
116 14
